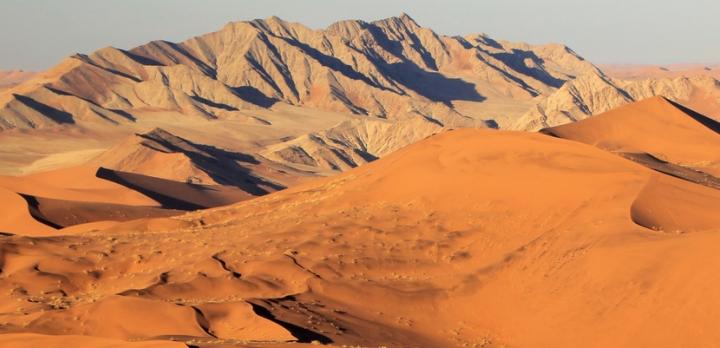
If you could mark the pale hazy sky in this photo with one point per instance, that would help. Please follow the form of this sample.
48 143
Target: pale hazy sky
35 34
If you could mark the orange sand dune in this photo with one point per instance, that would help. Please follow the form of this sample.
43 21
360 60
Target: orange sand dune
161 154
40 204
25 340
672 206
16 217
655 126
74 184
176 195
468 238
60 213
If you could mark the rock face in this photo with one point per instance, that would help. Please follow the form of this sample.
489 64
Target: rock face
594 93
386 69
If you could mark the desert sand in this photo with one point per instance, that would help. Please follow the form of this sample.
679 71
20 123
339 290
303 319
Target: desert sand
43 203
655 126
468 238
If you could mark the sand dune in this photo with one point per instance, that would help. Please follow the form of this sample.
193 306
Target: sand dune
161 154
470 237
656 126
176 195
75 184
44 203
60 213
55 341
672 206
16 217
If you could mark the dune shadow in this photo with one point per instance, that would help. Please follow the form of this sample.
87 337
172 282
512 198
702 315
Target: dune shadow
672 169
702 119
58 213
221 165
170 194
36 213
302 334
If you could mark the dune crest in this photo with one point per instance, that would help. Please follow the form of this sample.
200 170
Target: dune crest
655 126
468 237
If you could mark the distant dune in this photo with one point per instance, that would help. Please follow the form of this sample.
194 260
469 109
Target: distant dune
637 71
11 78
41 204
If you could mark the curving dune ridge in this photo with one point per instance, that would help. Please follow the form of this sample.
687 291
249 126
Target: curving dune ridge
470 237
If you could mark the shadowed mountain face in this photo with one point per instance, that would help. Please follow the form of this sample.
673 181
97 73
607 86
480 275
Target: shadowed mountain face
593 94
388 68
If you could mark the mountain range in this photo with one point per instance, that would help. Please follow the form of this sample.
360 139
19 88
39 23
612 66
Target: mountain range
387 83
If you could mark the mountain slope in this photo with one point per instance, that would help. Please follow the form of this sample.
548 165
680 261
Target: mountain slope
593 94
387 69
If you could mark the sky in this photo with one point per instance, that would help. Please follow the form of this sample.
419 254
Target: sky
36 34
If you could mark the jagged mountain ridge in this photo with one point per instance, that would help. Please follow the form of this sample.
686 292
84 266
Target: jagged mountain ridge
389 68
593 94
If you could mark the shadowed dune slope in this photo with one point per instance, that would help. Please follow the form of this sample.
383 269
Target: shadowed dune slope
656 126
16 217
470 237
59 213
42 203
75 184
176 195
161 154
